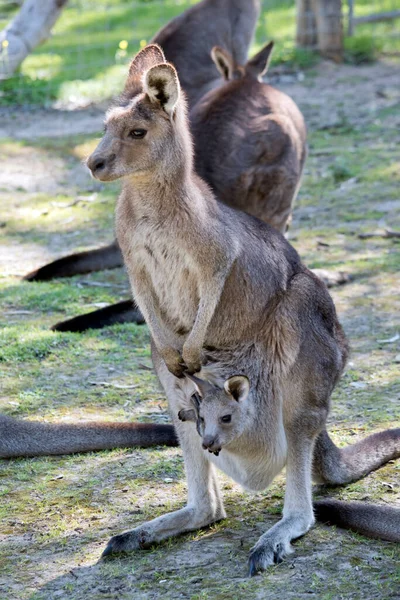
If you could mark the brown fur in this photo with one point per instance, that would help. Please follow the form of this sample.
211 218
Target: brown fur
254 159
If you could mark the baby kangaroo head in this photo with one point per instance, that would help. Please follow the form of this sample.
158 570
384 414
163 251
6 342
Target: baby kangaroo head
255 68
220 413
140 131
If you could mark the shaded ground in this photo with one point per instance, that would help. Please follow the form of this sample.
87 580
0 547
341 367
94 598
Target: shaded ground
57 513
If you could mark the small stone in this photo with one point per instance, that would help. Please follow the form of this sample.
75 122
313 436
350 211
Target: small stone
358 384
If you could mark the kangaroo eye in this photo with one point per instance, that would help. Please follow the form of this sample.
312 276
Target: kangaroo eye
226 418
137 134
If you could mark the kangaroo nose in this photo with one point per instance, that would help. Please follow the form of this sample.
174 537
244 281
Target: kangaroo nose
210 444
97 163
208 441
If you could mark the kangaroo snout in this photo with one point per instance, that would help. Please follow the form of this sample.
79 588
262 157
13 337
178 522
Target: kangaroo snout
100 163
210 443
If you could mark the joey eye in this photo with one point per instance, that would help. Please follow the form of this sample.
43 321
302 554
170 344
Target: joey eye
226 418
137 134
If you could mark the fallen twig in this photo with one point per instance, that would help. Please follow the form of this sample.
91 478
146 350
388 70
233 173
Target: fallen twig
77 200
388 233
118 386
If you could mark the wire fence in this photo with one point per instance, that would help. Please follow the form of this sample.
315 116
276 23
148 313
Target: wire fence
84 61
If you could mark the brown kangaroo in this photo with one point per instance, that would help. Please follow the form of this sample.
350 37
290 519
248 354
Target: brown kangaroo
253 160
231 283
187 41
221 292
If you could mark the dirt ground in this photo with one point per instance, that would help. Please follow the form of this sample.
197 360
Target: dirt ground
58 513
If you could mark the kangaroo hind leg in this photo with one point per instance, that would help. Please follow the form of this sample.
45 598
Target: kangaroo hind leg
298 515
204 504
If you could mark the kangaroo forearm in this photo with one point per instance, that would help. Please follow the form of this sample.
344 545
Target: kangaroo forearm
211 290
108 257
29 438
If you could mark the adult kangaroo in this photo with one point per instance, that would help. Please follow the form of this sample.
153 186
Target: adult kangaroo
253 160
187 42
273 318
223 291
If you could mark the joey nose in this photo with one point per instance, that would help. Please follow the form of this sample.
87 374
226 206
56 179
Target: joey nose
209 443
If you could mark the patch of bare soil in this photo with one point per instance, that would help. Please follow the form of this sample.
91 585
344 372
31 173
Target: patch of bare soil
37 123
341 94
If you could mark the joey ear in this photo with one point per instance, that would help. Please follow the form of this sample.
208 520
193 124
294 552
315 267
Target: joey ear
146 58
258 65
238 387
223 61
161 84
187 415
203 387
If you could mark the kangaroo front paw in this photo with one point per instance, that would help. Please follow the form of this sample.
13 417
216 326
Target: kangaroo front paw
174 362
127 542
192 357
265 553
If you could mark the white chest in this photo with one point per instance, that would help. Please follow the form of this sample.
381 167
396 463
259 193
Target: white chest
256 469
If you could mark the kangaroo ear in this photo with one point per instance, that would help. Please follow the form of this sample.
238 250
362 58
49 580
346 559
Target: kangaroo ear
161 84
238 387
203 387
258 65
148 57
145 59
187 415
223 61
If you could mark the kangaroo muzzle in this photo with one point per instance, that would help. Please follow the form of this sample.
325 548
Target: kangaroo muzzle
211 444
100 164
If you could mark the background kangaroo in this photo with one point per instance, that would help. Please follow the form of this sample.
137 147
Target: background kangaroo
254 160
187 42
208 277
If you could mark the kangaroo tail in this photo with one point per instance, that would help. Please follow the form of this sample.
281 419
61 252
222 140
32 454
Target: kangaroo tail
121 312
108 257
335 466
371 520
29 438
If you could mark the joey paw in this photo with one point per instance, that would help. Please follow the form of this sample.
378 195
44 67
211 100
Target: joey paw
265 554
126 542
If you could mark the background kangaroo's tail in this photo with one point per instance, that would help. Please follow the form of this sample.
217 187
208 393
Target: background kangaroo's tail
335 466
30 438
108 257
372 520
125 311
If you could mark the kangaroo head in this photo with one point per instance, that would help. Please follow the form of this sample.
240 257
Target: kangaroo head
255 68
220 414
140 131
